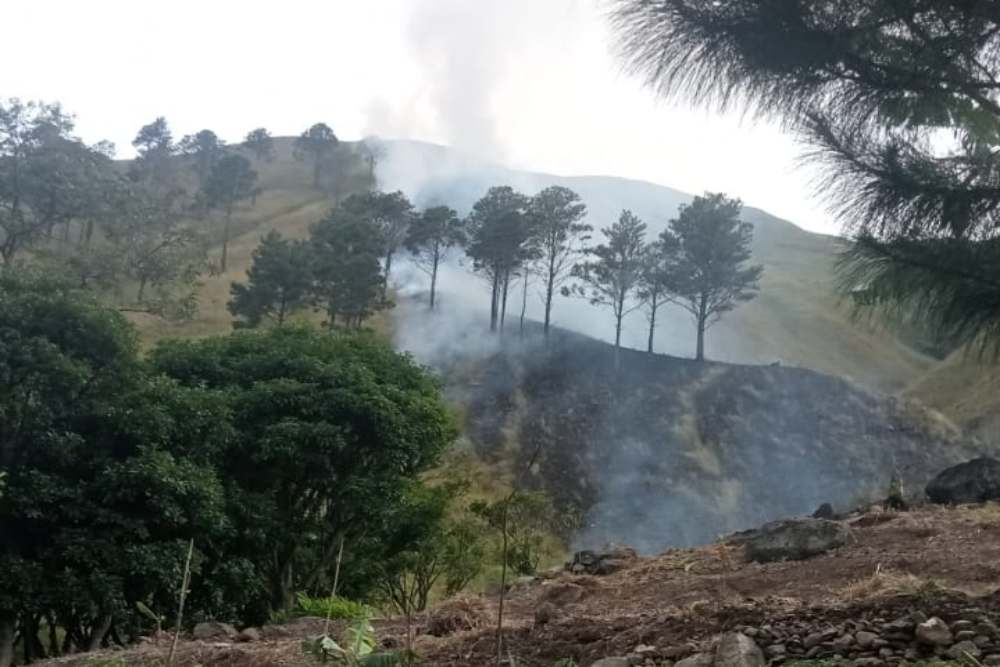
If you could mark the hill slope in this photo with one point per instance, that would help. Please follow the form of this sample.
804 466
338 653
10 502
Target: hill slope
669 452
796 318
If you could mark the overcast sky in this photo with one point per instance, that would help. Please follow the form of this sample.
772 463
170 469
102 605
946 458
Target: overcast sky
534 84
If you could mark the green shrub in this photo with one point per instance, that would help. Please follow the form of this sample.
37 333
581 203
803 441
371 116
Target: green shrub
337 608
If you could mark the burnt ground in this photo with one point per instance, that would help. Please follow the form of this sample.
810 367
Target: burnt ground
937 561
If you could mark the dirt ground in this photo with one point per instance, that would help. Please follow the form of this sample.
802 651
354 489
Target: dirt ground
937 560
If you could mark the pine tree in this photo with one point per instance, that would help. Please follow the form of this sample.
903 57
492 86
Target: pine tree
874 87
279 281
431 235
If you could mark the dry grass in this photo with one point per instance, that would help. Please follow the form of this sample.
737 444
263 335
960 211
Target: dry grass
984 516
458 614
885 582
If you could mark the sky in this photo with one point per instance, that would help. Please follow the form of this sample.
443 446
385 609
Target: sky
533 84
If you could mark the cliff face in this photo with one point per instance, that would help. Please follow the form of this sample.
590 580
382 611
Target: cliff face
668 452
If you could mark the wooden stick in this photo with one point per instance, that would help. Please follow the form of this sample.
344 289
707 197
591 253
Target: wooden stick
185 580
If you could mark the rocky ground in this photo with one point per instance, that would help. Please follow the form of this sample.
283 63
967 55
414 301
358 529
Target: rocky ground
903 586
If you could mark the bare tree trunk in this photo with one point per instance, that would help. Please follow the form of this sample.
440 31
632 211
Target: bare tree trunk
101 627
494 302
225 238
524 301
434 278
142 290
503 309
618 339
550 286
503 582
652 324
185 580
702 318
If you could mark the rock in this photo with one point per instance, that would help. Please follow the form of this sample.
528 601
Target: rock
992 660
777 650
735 649
611 662
960 625
974 481
824 511
248 635
963 635
867 662
561 593
981 641
962 649
696 660
865 639
886 653
841 644
674 652
544 612
795 539
933 632
609 561
986 628
522 582
213 630
900 625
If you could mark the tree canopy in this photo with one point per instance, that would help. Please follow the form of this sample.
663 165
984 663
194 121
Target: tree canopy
279 281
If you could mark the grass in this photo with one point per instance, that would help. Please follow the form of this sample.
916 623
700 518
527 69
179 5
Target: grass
886 582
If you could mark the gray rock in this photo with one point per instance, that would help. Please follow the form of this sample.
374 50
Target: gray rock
962 649
777 650
213 630
981 641
868 662
795 539
735 649
933 632
612 662
974 481
843 643
958 626
865 639
696 660
900 625
963 635
992 660
248 635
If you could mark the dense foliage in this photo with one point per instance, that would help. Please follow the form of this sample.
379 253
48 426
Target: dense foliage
898 101
269 449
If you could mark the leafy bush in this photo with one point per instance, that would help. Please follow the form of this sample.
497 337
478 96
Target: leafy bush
336 607
356 648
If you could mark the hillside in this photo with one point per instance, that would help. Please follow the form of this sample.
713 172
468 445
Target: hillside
796 318
668 452
861 601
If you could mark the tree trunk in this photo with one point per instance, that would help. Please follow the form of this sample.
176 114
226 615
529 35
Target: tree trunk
494 301
434 279
503 309
388 270
618 339
142 290
524 301
54 648
101 627
652 325
225 238
702 318
282 595
549 287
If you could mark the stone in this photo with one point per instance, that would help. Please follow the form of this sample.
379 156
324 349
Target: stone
867 662
986 628
842 643
886 653
982 641
865 639
248 635
674 652
824 511
963 635
974 481
901 625
213 630
933 632
960 625
777 650
696 660
795 539
817 638
992 660
611 560
612 662
962 649
735 649
545 612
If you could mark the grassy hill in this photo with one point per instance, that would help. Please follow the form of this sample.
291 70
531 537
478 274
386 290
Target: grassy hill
797 318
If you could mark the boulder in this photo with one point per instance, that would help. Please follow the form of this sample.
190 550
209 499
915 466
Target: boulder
933 632
609 561
795 539
696 660
545 612
865 639
735 649
824 511
611 662
248 635
974 481
213 630
964 650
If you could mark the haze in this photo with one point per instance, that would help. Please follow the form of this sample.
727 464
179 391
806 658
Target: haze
529 83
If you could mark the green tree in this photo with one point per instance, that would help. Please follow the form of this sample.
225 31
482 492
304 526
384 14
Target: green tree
874 88
154 163
656 282
431 235
279 281
32 136
330 429
499 243
260 143
346 248
103 465
712 275
316 144
230 181
611 278
557 213
391 214
206 149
